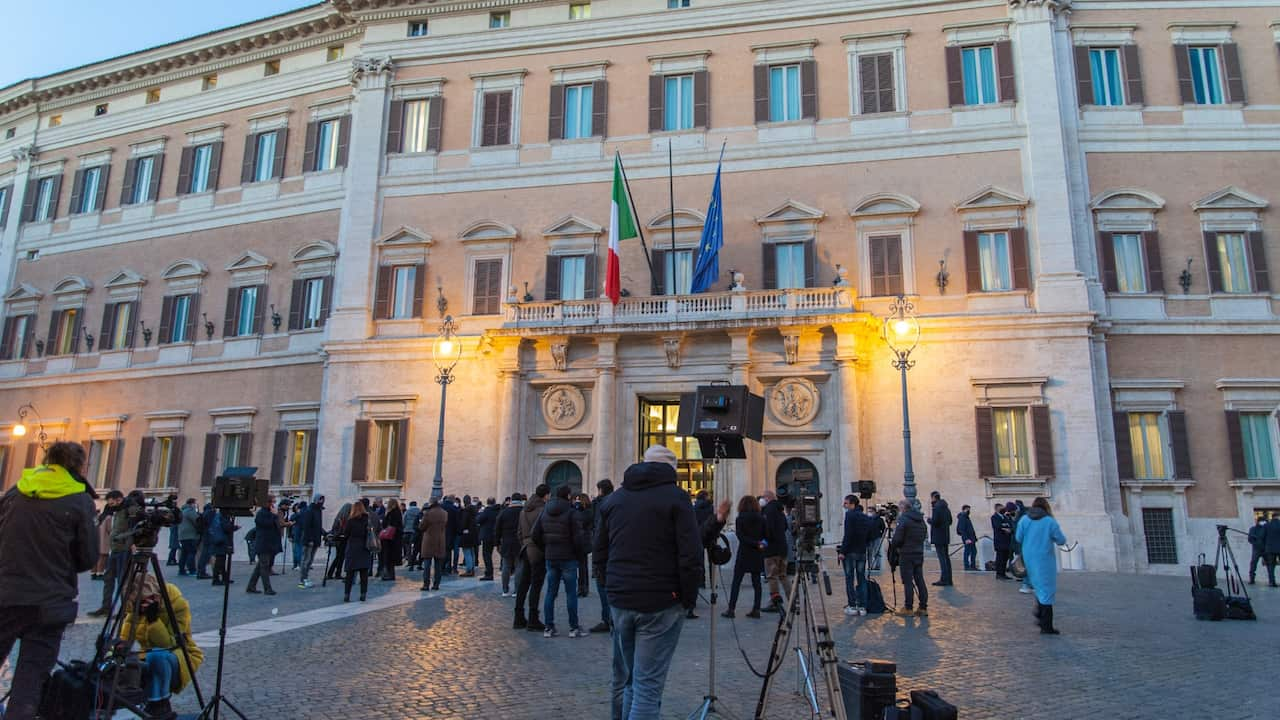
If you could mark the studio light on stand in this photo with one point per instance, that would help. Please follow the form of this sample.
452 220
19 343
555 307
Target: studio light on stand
445 353
901 333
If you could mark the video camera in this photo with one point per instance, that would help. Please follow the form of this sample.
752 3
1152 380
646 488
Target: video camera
237 491
154 515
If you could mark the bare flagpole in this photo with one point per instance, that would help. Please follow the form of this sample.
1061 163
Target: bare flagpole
653 279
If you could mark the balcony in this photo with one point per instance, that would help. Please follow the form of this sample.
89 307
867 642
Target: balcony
733 306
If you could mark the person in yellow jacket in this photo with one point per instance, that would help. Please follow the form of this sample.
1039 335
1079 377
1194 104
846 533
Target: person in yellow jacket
147 624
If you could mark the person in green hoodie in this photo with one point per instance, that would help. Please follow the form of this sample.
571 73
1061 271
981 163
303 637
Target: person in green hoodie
47 537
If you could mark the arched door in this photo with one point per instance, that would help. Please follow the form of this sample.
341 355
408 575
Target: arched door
564 472
797 476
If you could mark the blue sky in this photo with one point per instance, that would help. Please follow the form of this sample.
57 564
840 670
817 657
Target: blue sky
44 36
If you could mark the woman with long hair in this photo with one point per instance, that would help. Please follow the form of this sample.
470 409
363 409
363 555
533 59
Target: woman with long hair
750 528
358 556
337 536
1038 533
389 556
147 623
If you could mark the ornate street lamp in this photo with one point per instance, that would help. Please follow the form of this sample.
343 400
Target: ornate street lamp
902 334
445 352
20 428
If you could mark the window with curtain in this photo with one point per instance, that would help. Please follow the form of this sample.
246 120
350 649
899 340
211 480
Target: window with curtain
678 272
299 448
247 306
99 462
387 437
1013 454
265 157
790 265
1233 260
679 103
44 200
979 65
1259 445
230 450
1131 274
312 302
573 277
1108 86
784 93
415 126
142 171
578 101
18 343
89 191
1206 75
993 257
1146 438
181 311
201 158
120 325
66 338
580 11
327 145
403 277
164 454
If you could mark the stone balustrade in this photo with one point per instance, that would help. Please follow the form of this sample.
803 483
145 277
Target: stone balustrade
681 308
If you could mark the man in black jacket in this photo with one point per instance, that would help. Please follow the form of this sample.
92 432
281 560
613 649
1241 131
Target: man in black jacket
940 536
605 487
507 532
561 536
908 542
311 535
487 522
968 536
775 551
647 550
859 530
47 537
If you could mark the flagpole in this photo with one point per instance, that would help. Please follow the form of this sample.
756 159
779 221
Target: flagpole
671 189
653 280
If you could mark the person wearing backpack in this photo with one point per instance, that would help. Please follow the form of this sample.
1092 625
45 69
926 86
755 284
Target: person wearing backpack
859 530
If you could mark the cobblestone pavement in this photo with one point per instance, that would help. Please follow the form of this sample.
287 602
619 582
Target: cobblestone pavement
1129 649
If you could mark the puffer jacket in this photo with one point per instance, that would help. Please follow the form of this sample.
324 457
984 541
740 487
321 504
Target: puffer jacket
507 529
529 516
558 532
909 536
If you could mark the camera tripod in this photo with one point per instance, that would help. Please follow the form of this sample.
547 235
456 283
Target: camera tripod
1235 581
710 706
214 706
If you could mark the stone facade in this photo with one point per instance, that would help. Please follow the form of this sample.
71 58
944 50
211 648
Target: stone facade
324 186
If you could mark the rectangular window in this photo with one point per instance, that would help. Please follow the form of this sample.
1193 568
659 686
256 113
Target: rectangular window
333 53
673 4
4 202
123 313
299 449
247 307
99 462
790 265
18 340
153 96
92 178
230 450
993 257
657 422
327 145
1233 259
579 11
875 83
164 455
1206 75
1104 66
679 103
573 277
265 156
979 75
101 109
414 136
886 265
577 111
181 314
486 296
499 20
403 278
387 437
1147 440
66 339
271 67
496 118
312 303
1157 528
1131 273
1013 454
1259 446
142 170
201 161
417 28
784 93
678 272
55 121
209 82
44 200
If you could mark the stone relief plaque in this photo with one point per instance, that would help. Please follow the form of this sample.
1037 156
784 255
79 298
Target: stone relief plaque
794 401
563 406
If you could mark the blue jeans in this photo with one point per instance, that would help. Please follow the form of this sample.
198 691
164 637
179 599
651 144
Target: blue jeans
855 568
469 559
643 644
944 562
605 615
971 556
557 570
297 554
162 666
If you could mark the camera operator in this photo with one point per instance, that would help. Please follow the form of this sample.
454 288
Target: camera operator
122 522
775 549
268 525
859 530
165 671
47 537
220 537
908 542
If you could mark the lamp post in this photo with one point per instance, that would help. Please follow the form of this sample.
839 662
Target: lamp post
902 334
445 352
20 428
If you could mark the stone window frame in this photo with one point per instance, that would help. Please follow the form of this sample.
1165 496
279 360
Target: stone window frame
429 89
389 408
1153 396
1015 392
403 246
497 81
1126 210
106 428
1231 210
1255 395
488 240
884 214
893 42
995 209
297 417
165 424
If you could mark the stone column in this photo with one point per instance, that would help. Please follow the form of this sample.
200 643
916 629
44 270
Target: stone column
510 413
739 477
603 446
25 157
846 418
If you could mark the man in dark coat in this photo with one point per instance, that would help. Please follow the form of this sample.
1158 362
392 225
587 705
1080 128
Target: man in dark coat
964 528
1257 546
1272 546
266 545
647 549
432 533
507 532
775 551
605 487
311 536
487 522
560 534
908 542
452 547
940 536
468 535
1001 538
860 529
533 568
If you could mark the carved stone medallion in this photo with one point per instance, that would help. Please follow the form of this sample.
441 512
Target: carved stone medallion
794 401
563 406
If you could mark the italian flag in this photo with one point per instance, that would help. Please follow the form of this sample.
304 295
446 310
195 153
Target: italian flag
622 226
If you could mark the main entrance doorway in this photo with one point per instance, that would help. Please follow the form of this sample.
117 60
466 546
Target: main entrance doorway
657 425
797 476
564 472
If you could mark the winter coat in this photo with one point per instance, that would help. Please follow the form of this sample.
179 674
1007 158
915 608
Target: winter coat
432 529
486 521
528 516
411 518
122 522
311 525
507 530
749 528
46 537
647 548
451 530
775 530
702 509
159 634
964 528
558 532
1001 531
358 556
267 523
104 533
860 529
1271 540
1258 538
940 523
187 529
909 536
468 529
1038 533
219 534
393 549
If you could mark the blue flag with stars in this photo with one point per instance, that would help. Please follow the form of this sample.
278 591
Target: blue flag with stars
706 270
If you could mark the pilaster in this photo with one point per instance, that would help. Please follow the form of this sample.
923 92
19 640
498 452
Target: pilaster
603 445
739 477
25 157
510 413
847 422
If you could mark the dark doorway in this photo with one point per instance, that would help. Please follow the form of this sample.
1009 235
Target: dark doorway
797 476
564 472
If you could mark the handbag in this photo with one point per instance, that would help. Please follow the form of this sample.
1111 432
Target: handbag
371 541
1019 568
388 533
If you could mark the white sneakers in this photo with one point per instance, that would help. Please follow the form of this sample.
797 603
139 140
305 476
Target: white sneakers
576 633
851 610
1024 589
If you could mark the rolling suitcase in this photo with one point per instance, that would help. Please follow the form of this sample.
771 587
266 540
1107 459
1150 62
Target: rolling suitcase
867 688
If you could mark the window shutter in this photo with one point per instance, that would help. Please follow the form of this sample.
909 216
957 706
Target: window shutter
344 139
769 266
360 452
1211 261
868 84
893 265
29 201
55 195
229 317
657 102
504 118
50 346
326 299
659 271
6 341
133 323
175 460
311 458
210 466
184 170
879 278
884 80
1133 90
166 320
157 167
1019 264
809 89
762 93
955 76
245 457
1235 445
77 192
600 108
279 454
144 462
552 291
104 333
810 264
984 424
309 148
1155 268
1004 67
1181 447
701 99
250 155
1084 74
402 452
31 460
1235 79
1124 445
100 198
1044 441
489 120
215 164
259 309
126 186
1182 62
395 127
193 312
114 453
435 120
555 116
296 294
282 146
4 209
1107 262
589 288
972 266
382 293
1258 261
419 285
480 288
75 331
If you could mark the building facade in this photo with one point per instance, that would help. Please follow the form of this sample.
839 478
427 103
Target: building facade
1074 196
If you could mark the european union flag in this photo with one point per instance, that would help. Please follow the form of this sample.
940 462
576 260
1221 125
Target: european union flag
706 270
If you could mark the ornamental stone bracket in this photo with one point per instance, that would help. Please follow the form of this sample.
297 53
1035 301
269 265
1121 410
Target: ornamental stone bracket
26 153
671 345
563 406
794 401
791 347
371 73
559 352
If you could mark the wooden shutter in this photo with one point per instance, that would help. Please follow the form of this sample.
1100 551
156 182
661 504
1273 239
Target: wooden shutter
809 89
1133 89
810 264
1235 445
297 294
1181 446
868 84
1235 79
245 456
77 192
402 452
210 466
659 271
489 120
600 108
1155 268
108 323
955 76
184 170
1182 62
232 311
762 93
879 279
166 320
972 265
360 452
657 102
215 164
1004 68
769 266
29 201
344 140
1107 262
701 99
175 460
75 331
309 149
157 167
144 461
1019 261
1044 441
419 287
395 127
1084 75
590 290
250 156
100 197
382 293
886 265
126 186
55 195
282 147
259 309
193 312
279 456
114 453
6 340
326 297
555 116
1124 445
1258 261
1211 261
885 81
486 287
435 122
311 458
552 291
133 323
984 426
51 343
32 448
